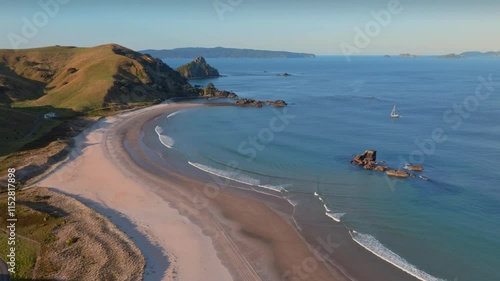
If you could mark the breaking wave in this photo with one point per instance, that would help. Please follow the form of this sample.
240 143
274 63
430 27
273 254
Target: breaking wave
335 216
277 188
165 140
230 175
373 245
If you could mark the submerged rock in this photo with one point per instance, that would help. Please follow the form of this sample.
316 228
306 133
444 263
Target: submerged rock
416 168
380 168
398 173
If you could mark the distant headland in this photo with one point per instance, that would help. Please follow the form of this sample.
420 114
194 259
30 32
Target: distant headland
471 54
221 52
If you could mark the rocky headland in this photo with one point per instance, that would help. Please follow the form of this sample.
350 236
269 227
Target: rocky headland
198 69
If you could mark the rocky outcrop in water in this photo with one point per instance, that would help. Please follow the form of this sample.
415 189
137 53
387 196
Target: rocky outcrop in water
198 69
368 159
258 103
210 91
277 103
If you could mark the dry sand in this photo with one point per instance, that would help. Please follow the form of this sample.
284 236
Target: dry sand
183 233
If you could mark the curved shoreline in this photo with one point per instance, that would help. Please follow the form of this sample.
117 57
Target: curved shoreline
237 222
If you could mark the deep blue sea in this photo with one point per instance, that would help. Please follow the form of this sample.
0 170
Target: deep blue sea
446 227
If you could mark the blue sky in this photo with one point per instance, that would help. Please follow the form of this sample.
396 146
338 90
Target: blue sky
316 26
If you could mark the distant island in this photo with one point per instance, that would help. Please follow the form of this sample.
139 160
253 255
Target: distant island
221 52
407 56
471 54
452 56
198 69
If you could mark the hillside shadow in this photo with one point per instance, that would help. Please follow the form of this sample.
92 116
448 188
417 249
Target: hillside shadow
29 128
16 87
44 207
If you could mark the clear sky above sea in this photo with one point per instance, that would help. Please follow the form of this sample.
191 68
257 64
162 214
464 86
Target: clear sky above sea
315 26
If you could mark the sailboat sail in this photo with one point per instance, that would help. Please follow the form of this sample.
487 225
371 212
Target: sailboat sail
393 113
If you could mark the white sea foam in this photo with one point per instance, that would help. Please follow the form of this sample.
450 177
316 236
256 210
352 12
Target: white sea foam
230 175
319 197
335 216
278 188
165 140
293 202
373 245
326 208
271 187
175 113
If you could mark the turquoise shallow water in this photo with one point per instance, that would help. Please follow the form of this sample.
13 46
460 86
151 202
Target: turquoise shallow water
445 228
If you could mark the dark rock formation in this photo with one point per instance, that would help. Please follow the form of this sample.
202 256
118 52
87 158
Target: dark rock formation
284 74
198 69
211 91
258 103
249 102
368 159
277 103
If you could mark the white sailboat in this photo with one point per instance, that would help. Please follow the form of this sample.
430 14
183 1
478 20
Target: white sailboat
393 113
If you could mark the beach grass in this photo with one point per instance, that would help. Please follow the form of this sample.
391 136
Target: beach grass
35 226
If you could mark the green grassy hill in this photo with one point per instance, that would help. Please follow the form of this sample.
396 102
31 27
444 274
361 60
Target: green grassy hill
73 81
86 79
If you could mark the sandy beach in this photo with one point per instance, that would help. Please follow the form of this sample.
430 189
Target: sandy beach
193 230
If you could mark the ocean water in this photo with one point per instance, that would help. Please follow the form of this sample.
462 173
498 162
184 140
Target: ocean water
443 228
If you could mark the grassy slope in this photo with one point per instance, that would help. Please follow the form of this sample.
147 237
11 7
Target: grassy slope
72 81
105 75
